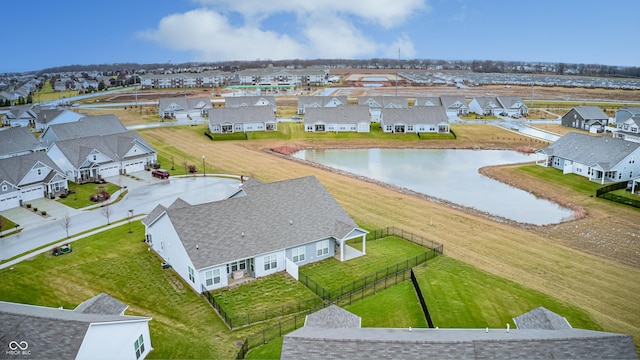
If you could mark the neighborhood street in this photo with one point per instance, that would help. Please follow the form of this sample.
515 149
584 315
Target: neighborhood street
144 193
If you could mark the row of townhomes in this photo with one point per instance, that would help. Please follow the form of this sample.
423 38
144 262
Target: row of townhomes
271 76
308 226
85 150
96 329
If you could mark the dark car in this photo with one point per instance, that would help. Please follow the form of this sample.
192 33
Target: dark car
162 174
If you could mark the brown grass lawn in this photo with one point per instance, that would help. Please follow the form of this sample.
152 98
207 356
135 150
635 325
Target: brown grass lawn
545 259
559 129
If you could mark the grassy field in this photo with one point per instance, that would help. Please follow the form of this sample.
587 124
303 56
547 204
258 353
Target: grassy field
546 259
332 274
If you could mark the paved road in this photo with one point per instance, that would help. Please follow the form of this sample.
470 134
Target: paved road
143 195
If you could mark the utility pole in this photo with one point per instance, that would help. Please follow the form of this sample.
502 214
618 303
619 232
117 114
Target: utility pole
532 82
397 72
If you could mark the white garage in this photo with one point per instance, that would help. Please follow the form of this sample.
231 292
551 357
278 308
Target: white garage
134 166
110 170
10 201
32 193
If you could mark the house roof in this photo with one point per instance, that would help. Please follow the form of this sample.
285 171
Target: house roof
304 101
349 114
415 115
589 150
384 101
114 146
185 103
103 304
427 101
634 110
332 317
242 115
88 126
511 102
14 169
450 101
590 112
240 227
50 333
488 102
239 101
323 341
541 318
17 139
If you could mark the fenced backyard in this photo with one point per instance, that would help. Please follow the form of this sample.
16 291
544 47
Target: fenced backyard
610 193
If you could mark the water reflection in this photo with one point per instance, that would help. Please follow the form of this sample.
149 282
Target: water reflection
451 175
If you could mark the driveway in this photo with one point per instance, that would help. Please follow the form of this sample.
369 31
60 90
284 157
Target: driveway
144 194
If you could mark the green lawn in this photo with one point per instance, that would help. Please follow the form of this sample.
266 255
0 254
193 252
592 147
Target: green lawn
265 298
271 350
573 181
461 296
83 192
382 253
6 226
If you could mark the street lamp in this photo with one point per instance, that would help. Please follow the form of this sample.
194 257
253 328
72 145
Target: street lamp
204 171
130 216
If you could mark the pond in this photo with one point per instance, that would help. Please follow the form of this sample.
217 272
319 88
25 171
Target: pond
451 175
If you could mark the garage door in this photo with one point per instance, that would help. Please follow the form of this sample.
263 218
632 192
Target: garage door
33 193
135 166
9 201
109 171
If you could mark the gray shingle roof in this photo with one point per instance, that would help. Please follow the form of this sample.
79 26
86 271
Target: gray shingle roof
239 101
604 151
415 115
17 139
427 101
509 102
50 333
88 126
14 169
332 317
448 101
271 217
114 146
488 102
242 115
304 101
103 304
541 318
187 104
350 114
634 110
591 112
384 101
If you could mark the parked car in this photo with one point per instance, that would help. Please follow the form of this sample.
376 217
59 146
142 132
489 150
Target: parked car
64 249
162 174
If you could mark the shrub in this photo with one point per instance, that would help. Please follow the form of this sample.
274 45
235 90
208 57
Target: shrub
28 206
35 209
43 212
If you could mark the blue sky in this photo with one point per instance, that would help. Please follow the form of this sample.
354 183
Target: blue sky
55 33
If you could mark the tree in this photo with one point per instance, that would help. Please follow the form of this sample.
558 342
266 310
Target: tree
101 85
107 212
66 222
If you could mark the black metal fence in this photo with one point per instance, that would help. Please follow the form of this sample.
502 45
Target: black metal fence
423 303
408 236
605 193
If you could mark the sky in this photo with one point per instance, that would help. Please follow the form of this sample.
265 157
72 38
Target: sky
65 32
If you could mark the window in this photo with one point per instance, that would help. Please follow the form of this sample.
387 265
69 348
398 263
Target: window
298 254
192 275
4 187
94 157
212 277
270 262
139 346
409 127
322 247
39 172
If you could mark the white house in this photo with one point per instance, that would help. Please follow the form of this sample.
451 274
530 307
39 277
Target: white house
377 103
453 105
350 118
501 105
242 119
98 330
23 115
421 119
91 158
184 108
628 123
599 158
85 127
259 230
28 177
244 101
305 102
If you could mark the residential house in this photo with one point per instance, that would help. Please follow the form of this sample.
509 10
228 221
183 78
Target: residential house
377 103
586 117
23 115
628 123
85 127
305 102
18 141
92 158
208 79
28 177
99 330
335 333
184 108
421 119
453 105
350 118
501 105
54 116
242 119
261 229
243 101
599 158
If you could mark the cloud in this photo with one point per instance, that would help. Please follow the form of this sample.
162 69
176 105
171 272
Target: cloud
322 29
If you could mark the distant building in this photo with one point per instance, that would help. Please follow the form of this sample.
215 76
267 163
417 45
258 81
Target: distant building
628 123
586 117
